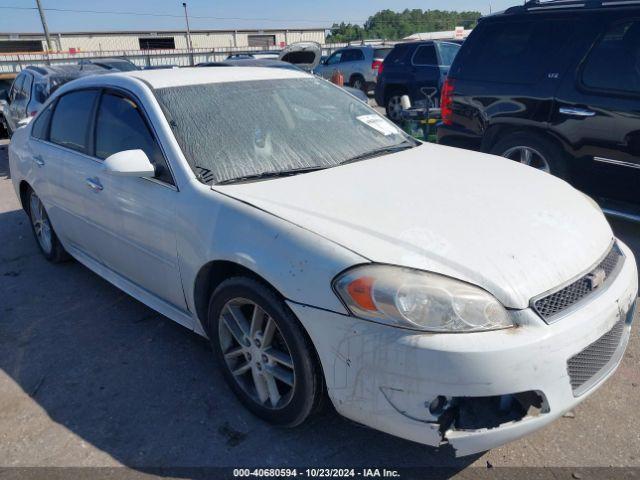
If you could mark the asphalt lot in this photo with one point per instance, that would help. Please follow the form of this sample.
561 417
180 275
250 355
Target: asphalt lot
91 377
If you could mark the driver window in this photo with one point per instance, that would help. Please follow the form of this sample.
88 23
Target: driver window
120 126
335 58
16 87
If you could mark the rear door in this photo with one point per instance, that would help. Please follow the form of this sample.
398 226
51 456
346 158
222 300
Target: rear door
426 73
598 113
79 207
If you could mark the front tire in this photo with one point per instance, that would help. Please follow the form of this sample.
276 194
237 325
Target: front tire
358 83
533 150
265 355
43 231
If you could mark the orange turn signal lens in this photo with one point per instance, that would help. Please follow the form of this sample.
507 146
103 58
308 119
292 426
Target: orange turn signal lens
360 291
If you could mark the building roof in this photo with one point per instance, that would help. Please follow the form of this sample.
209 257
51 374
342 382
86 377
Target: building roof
165 32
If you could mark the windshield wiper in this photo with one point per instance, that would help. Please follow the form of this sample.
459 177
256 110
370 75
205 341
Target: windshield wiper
380 151
267 175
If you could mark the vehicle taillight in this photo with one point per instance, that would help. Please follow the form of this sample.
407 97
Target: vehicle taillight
33 114
377 65
446 102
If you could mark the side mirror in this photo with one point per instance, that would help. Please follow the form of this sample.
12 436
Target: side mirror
130 163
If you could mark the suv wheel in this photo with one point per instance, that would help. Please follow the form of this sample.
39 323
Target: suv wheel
533 150
265 355
394 106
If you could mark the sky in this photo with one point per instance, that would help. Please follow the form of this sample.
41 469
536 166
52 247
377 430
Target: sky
221 14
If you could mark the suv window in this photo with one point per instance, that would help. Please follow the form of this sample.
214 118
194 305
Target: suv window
512 51
614 63
41 124
381 53
335 58
352 56
398 55
448 52
425 55
121 126
72 118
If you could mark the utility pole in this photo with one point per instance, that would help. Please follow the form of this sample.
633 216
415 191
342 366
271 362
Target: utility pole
189 44
44 25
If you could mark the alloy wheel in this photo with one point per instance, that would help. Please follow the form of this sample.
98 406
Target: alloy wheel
528 156
256 353
41 224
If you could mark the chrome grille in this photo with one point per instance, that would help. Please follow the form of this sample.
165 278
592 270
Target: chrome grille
553 304
594 359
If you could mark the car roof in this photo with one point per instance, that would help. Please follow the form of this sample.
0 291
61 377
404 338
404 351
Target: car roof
202 75
64 70
548 6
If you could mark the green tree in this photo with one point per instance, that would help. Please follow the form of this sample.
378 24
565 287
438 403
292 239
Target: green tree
390 25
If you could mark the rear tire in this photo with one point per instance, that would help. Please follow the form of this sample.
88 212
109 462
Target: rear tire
265 355
534 150
43 231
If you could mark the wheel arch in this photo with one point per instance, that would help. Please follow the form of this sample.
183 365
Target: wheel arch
24 189
497 132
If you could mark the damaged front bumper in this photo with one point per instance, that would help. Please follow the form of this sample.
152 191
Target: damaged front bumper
475 391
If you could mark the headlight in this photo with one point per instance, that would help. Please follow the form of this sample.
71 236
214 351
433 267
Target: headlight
419 300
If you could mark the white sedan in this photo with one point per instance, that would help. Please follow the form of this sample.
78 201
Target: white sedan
435 294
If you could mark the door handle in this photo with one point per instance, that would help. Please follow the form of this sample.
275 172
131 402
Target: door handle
94 184
577 112
37 159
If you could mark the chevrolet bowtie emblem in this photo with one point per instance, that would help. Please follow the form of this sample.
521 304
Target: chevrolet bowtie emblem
596 278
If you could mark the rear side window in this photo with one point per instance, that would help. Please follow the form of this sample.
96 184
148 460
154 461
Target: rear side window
398 55
41 124
512 52
614 62
352 56
71 120
120 126
448 52
425 55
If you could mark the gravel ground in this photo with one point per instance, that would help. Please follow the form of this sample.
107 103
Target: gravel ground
91 377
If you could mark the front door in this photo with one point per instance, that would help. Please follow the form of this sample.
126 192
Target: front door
140 240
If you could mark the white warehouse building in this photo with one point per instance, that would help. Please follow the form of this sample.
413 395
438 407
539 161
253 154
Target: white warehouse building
77 42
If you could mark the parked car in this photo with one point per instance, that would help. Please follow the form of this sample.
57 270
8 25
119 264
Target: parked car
260 54
413 68
555 86
268 63
114 64
473 301
34 85
359 65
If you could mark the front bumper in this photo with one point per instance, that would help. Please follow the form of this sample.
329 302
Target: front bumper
386 377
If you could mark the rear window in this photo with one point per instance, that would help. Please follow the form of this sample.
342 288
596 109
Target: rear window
448 52
381 53
513 51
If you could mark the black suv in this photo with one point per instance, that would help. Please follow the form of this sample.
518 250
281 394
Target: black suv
417 69
555 85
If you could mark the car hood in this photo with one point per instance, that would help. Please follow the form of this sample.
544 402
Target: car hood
506 227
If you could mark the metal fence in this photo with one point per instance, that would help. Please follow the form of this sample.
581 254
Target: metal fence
13 63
